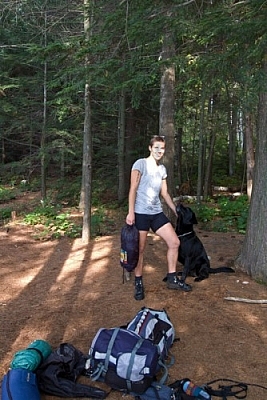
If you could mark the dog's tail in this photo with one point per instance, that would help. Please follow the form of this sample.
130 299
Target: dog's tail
221 269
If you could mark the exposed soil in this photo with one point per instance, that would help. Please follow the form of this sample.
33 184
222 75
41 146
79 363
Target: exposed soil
64 291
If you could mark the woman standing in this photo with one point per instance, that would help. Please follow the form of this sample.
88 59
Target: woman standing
148 183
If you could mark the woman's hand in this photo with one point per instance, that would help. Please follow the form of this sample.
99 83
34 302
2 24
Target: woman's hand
130 219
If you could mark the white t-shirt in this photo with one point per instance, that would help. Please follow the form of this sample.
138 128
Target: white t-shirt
148 191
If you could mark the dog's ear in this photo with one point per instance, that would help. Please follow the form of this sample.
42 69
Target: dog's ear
189 217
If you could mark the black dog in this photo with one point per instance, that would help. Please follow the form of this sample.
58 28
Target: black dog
192 253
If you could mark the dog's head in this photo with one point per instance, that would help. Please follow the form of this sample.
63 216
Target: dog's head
186 217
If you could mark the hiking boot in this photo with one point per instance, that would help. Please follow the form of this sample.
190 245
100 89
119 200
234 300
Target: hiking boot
175 283
139 291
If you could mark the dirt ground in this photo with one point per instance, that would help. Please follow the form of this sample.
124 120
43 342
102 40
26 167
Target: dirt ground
64 291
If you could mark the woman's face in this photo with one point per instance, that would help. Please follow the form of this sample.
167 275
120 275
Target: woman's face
157 150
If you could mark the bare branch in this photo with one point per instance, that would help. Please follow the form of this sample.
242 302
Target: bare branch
246 300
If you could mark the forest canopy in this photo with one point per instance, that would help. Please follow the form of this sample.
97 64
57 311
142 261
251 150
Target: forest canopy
218 48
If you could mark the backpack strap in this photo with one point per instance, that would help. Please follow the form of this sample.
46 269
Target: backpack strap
165 374
237 390
98 372
110 347
165 366
102 368
131 363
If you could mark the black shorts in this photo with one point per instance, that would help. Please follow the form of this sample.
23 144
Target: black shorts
144 222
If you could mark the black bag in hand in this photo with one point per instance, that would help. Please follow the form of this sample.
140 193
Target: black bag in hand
129 247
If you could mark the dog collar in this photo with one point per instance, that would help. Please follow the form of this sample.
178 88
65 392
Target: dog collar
185 234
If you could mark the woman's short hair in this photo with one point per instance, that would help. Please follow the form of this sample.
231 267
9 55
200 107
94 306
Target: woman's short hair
155 139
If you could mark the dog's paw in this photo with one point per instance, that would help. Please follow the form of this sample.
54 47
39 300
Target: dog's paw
192 274
199 279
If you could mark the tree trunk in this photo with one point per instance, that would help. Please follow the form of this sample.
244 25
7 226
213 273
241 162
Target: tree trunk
249 154
208 170
253 256
179 166
232 139
121 147
62 161
179 154
3 153
132 137
43 134
86 193
87 167
207 179
166 118
201 149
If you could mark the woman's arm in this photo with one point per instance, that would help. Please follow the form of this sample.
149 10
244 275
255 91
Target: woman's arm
164 193
135 179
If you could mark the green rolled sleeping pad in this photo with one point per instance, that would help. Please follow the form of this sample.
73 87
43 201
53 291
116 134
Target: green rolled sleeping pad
32 357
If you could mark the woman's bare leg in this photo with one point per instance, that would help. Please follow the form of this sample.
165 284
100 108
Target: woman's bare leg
142 245
167 233
139 293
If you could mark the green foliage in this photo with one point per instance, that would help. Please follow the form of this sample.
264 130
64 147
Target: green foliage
205 213
50 222
219 48
97 219
5 214
67 194
227 215
232 207
220 178
6 194
234 212
54 223
41 214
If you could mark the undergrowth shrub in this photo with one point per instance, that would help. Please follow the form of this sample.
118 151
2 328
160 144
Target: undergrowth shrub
226 215
5 214
6 194
54 223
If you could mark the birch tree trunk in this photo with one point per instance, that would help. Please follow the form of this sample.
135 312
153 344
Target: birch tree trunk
232 139
250 158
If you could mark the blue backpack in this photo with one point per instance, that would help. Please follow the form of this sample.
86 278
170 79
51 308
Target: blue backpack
156 326
131 357
123 360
